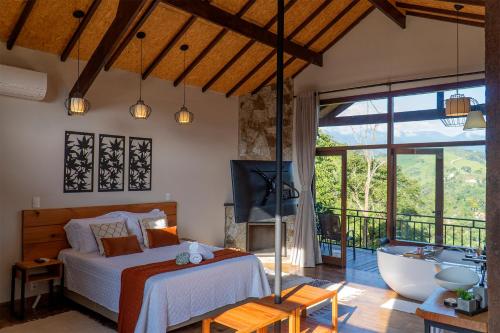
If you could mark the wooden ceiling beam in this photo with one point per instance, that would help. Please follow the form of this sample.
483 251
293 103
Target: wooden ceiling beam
211 45
445 19
80 29
224 19
125 14
20 23
433 10
243 50
338 38
251 73
480 3
131 34
348 29
156 61
311 17
317 36
390 11
272 76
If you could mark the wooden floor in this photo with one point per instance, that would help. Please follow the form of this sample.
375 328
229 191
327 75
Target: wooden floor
360 310
366 260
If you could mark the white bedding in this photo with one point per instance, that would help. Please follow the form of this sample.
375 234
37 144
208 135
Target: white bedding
169 298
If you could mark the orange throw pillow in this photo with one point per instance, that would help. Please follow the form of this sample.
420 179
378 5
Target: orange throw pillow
162 237
119 246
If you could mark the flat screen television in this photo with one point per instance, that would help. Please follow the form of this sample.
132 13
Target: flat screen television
254 190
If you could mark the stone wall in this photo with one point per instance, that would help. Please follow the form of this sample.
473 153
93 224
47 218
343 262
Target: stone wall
256 141
257 121
236 233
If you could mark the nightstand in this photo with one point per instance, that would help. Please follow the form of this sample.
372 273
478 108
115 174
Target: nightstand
30 271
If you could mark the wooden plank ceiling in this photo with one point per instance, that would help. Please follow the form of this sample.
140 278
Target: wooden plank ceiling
232 54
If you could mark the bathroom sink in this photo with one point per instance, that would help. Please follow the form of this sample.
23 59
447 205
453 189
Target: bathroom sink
454 278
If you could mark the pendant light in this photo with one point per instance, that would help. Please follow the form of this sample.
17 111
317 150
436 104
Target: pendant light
140 110
458 105
76 104
475 120
184 116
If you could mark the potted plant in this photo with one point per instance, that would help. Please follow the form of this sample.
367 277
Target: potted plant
466 301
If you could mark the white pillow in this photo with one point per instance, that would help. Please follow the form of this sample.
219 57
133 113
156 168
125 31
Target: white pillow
152 223
133 225
108 230
80 236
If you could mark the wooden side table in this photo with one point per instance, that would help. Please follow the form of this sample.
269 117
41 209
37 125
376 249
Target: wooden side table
30 271
297 299
437 315
249 317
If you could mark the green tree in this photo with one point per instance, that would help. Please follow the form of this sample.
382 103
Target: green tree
366 181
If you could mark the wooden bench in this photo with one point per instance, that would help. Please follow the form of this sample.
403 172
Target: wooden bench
297 299
249 317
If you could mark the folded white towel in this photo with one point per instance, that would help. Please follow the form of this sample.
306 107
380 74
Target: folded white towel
198 248
195 258
194 247
206 253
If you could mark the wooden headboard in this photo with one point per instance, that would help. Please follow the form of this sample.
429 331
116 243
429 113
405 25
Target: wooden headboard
43 232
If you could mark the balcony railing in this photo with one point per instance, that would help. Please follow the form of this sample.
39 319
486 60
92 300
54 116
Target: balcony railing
368 227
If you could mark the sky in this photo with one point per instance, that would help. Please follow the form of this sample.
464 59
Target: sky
423 131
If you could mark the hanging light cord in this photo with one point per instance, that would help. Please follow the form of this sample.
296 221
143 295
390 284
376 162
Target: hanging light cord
78 60
184 81
140 74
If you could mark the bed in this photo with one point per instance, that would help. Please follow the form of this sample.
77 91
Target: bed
170 300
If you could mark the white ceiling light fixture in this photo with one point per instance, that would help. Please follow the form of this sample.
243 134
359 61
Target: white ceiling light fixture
76 104
475 120
184 116
140 110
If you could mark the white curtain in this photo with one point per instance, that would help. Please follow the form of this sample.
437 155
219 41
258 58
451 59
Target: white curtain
305 251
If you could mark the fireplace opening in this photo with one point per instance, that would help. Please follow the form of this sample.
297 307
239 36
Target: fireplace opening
260 238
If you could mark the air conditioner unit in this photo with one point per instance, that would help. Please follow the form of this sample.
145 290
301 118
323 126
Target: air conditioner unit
22 83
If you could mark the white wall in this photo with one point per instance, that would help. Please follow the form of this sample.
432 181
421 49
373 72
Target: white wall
378 50
191 163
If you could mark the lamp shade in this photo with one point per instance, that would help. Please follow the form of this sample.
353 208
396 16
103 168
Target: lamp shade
77 105
184 116
140 110
457 105
475 120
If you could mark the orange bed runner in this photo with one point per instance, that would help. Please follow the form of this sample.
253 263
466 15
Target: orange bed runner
134 279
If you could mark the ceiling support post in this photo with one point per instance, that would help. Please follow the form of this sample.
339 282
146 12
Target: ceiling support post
279 152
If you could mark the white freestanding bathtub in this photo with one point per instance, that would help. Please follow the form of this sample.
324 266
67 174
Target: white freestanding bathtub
411 277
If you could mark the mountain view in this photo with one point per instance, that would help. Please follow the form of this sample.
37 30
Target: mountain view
464 176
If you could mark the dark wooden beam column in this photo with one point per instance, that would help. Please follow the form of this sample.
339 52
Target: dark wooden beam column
211 45
131 34
390 11
224 19
79 30
493 161
125 14
20 23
